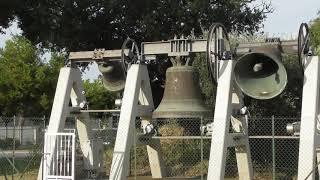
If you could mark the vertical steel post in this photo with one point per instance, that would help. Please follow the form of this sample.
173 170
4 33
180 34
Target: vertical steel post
222 115
137 89
309 138
227 100
273 151
43 151
135 153
201 149
14 145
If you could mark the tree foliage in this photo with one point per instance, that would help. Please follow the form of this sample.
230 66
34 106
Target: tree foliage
27 84
88 24
97 96
315 35
207 87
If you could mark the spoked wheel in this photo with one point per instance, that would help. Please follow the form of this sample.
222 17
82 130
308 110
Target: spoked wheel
130 53
218 48
303 42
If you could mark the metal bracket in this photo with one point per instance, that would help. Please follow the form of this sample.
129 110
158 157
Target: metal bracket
180 47
98 54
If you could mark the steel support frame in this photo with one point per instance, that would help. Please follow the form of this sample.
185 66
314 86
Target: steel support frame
309 136
228 103
137 102
70 86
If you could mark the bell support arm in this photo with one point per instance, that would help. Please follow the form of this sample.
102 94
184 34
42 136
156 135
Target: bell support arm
309 137
70 87
137 90
229 99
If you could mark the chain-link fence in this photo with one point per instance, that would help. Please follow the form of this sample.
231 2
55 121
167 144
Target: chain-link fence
274 152
185 149
21 142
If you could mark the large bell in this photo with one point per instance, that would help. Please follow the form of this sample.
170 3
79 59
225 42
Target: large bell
260 74
112 75
182 98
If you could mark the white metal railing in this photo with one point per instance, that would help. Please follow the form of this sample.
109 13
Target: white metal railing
59 156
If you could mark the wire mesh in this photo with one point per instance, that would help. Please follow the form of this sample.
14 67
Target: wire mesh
21 142
184 148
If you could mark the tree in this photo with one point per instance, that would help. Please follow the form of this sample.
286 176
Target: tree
315 34
88 24
49 81
26 83
97 96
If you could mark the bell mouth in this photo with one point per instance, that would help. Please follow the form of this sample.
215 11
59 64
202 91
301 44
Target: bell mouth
180 115
256 65
260 75
191 108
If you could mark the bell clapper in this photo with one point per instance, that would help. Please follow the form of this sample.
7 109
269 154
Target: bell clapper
258 67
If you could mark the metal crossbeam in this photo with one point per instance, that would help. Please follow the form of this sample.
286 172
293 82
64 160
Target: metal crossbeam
150 49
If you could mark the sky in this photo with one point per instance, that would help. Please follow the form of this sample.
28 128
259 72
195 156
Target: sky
286 19
289 14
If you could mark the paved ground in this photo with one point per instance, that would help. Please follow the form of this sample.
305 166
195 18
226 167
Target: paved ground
150 178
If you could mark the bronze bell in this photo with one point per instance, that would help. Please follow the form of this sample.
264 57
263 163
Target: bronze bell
112 75
261 74
182 98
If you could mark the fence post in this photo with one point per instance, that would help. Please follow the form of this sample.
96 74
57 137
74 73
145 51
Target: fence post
135 154
201 149
5 123
14 145
44 121
35 135
273 151
42 133
20 130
